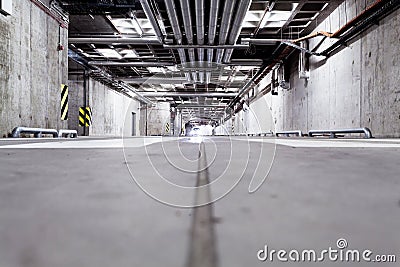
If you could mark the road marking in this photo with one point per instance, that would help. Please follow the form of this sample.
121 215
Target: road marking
202 241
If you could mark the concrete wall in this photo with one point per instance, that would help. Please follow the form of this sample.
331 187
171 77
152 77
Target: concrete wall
157 118
111 111
357 87
31 69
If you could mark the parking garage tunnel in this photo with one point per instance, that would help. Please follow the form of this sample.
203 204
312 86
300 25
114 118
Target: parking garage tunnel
199 133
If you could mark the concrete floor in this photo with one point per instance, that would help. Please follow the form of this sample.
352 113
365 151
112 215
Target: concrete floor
100 202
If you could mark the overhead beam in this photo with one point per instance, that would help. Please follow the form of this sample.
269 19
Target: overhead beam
333 4
184 94
114 40
130 64
182 106
294 13
241 46
156 80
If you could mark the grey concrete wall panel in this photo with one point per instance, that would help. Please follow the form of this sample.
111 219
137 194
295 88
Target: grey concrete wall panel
31 69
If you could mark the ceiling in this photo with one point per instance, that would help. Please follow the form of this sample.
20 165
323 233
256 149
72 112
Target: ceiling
197 55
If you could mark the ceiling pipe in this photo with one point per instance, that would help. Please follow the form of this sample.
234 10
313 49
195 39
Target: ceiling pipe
199 4
224 28
212 27
115 40
114 85
150 16
139 96
212 30
244 6
173 18
130 64
187 23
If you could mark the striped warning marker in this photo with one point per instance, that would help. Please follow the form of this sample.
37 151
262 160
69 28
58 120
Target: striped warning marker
64 102
167 127
85 116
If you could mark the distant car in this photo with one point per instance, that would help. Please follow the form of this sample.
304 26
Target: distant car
196 131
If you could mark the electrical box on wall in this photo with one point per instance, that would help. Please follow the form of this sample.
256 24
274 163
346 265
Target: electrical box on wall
6 7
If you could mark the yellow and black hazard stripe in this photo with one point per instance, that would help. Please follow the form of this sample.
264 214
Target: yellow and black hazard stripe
85 116
64 102
167 127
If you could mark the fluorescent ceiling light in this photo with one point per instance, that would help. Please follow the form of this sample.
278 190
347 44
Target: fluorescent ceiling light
173 68
128 25
156 69
128 53
240 78
109 53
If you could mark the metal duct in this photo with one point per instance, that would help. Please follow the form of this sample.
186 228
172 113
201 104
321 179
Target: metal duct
244 6
115 40
149 14
224 28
